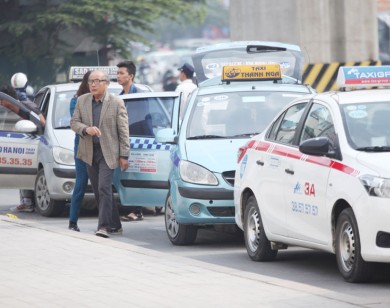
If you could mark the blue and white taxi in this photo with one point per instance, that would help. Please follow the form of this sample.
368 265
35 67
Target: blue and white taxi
244 85
319 176
145 182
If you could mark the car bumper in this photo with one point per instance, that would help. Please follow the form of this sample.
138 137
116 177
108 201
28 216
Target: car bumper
202 205
61 180
373 215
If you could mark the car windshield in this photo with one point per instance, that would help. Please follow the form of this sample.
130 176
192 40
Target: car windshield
237 114
367 125
62 106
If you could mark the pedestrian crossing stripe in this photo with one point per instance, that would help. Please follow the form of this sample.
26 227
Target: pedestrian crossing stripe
148 144
322 77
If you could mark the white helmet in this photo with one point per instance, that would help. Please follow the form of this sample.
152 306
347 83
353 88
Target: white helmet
19 80
30 90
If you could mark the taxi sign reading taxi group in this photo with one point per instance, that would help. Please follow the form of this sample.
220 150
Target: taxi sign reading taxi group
350 76
252 72
77 72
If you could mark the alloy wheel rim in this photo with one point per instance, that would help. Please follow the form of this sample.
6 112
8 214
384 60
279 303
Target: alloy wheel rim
170 218
42 194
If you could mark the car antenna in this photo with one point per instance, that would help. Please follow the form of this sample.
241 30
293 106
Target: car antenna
97 55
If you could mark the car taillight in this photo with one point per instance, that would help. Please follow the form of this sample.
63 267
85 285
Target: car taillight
241 152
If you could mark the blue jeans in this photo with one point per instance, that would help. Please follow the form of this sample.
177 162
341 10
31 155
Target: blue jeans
79 189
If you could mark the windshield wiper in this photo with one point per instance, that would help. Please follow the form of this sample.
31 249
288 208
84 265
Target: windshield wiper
374 149
206 137
243 135
259 49
62 127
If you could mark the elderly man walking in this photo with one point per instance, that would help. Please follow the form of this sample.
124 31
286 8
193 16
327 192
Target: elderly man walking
101 121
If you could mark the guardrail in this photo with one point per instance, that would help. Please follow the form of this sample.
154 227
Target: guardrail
322 77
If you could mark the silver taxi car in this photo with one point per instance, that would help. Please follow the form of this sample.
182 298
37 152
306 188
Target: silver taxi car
42 158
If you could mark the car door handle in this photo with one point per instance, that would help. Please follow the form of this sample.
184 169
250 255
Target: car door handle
260 163
289 171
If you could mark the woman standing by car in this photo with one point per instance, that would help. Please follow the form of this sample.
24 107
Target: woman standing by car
81 168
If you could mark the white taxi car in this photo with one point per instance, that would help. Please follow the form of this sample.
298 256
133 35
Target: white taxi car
319 176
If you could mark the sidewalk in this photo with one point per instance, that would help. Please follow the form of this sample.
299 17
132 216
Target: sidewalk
44 266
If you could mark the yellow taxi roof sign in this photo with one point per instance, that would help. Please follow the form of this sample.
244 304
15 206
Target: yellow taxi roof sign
251 72
76 73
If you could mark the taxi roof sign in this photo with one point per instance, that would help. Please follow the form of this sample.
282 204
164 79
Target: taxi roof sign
358 76
76 73
251 72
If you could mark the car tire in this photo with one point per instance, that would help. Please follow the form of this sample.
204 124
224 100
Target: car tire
177 233
43 203
90 207
257 244
349 260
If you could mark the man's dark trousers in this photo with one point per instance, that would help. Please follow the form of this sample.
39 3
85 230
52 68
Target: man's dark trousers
101 177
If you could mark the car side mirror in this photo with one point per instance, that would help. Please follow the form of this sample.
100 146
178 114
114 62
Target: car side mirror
26 126
315 146
166 135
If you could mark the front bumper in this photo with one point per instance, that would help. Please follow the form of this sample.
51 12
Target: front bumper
60 179
372 214
202 205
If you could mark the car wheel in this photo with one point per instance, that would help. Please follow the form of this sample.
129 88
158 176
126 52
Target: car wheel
256 241
178 234
44 204
349 260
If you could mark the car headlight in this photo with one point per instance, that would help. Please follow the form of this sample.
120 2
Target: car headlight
376 186
193 173
63 156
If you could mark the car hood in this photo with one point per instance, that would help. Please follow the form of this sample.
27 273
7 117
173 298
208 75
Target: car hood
377 162
64 138
217 155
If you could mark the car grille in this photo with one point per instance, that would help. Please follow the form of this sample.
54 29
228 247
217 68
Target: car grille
228 176
221 211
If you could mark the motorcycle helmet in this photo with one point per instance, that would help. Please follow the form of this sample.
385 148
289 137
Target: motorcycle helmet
19 80
30 92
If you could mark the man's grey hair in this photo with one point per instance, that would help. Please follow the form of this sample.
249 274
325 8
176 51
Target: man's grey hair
105 74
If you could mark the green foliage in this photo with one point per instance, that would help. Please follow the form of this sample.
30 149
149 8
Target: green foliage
34 31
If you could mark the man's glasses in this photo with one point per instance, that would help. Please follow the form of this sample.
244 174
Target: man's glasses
96 81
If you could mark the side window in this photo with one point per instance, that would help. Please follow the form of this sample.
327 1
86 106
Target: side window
45 104
148 115
8 119
319 123
288 124
274 128
38 98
